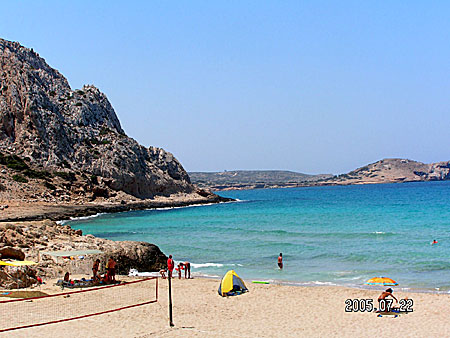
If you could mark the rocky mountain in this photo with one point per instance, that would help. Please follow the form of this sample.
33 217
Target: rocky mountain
47 128
252 179
392 170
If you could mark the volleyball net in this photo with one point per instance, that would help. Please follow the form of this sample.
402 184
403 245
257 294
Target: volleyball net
76 304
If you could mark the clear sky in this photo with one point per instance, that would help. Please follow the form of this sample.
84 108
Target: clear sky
309 86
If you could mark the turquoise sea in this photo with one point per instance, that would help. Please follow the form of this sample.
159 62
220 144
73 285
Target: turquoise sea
328 235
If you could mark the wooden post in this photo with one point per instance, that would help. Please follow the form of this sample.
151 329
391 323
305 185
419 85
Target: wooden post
170 299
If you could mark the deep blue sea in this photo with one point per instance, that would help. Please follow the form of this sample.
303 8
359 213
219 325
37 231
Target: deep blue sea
328 235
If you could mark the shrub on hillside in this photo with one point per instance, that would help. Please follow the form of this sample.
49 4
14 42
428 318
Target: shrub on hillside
50 186
19 178
65 176
13 162
37 174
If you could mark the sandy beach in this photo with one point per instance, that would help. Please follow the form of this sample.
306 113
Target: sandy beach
265 311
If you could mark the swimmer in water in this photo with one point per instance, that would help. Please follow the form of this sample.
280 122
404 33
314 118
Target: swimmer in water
280 261
434 242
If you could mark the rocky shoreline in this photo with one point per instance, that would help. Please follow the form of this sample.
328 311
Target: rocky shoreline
23 211
29 229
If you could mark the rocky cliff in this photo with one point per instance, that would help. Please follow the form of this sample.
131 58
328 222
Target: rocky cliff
50 127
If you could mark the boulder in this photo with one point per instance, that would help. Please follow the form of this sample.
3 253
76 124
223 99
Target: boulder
12 253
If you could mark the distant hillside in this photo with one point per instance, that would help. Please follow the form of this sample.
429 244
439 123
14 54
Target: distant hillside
393 170
252 179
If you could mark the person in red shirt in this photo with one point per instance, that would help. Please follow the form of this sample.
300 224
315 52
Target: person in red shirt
280 261
187 270
170 266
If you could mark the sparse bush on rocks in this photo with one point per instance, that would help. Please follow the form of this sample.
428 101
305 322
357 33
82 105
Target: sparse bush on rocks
65 175
50 186
13 162
43 174
19 178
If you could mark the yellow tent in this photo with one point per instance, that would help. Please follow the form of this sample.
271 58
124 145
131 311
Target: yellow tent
17 263
231 285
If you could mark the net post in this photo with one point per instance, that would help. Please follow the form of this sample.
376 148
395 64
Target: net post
157 281
170 300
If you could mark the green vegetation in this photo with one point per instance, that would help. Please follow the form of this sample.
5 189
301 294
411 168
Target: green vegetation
49 185
94 179
66 176
13 162
37 174
19 178
105 131
96 141
80 92
96 154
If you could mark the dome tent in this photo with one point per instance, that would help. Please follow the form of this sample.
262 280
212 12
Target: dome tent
231 285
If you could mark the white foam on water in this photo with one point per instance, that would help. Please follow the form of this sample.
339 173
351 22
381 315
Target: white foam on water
80 218
182 207
164 208
192 205
206 265
316 282
212 265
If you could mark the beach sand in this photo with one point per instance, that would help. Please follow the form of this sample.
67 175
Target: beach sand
265 311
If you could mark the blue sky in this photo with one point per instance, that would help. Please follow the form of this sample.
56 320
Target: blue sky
309 86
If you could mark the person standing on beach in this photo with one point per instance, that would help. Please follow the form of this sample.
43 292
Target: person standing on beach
111 268
95 269
187 270
280 261
170 266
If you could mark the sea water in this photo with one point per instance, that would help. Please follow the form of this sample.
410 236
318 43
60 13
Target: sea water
339 235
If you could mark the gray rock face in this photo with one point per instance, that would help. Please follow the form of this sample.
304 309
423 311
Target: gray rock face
44 120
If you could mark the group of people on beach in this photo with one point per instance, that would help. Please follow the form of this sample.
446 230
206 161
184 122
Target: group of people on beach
109 276
186 266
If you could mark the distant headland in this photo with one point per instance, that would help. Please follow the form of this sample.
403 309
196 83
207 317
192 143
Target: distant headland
390 170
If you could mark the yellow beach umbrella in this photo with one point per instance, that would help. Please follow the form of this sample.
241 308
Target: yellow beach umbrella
381 281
